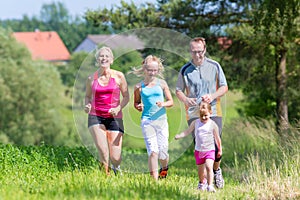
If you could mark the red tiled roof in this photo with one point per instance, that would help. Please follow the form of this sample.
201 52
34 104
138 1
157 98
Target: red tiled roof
224 42
44 45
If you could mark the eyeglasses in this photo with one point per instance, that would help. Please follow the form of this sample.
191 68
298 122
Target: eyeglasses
152 70
197 52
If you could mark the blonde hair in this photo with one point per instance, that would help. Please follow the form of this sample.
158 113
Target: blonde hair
208 107
140 71
104 48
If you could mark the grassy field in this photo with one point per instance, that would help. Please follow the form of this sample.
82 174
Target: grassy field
257 164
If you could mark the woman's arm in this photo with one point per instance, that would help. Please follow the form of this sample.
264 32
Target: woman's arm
88 95
124 92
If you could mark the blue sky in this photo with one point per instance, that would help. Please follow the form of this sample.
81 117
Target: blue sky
15 9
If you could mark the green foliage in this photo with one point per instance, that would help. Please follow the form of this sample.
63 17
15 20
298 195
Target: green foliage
31 93
68 72
125 62
254 161
277 21
252 59
191 17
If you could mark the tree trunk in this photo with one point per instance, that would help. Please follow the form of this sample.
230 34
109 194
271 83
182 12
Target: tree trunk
281 80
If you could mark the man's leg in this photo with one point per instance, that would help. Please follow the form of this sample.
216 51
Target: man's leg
218 177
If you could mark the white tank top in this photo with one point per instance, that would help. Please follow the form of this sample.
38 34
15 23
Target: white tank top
204 135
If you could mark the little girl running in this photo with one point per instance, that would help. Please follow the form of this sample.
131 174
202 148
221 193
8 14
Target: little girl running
206 134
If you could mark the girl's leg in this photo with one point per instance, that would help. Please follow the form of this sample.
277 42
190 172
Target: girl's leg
163 146
164 163
150 138
153 165
202 185
201 173
209 163
98 133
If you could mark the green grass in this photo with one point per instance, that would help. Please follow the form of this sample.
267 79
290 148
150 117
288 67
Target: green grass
48 172
257 164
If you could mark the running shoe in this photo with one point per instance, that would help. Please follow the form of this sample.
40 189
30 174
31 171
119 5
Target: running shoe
117 170
202 186
218 178
211 188
163 172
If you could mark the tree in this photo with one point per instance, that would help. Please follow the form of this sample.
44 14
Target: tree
277 21
31 95
54 14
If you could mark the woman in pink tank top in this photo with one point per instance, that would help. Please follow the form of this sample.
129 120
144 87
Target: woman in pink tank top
104 107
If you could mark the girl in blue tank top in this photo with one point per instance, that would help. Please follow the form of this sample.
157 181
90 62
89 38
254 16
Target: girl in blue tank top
151 97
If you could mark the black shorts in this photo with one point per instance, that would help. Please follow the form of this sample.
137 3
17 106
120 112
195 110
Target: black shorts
111 124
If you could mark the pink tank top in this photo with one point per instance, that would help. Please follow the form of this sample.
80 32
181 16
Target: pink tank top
105 98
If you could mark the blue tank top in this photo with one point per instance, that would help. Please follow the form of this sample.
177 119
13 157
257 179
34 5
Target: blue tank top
151 95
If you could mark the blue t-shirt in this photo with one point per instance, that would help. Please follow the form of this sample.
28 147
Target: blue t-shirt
149 96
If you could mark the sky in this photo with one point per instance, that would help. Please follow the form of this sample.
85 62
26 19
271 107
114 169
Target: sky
15 9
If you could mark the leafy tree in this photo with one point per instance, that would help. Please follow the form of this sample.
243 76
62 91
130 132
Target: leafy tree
31 95
68 72
192 17
266 66
277 22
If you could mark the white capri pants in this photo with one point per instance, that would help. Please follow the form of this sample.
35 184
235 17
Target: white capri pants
156 136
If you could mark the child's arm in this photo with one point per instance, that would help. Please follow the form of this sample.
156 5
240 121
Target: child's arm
137 98
186 132
168 95
218 140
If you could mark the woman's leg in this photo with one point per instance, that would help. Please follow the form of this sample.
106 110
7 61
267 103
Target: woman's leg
98 133
115 147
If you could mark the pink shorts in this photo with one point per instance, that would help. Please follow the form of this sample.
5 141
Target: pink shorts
201 156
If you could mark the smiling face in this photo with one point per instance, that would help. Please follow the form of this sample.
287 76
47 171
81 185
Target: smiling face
104 58
205 111
197 50
152 68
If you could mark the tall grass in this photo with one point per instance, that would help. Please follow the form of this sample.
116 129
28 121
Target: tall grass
262 163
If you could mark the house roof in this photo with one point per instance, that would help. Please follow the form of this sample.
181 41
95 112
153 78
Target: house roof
44 45
117 41
224 42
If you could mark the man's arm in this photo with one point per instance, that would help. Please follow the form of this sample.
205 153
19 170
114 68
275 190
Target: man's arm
219 93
